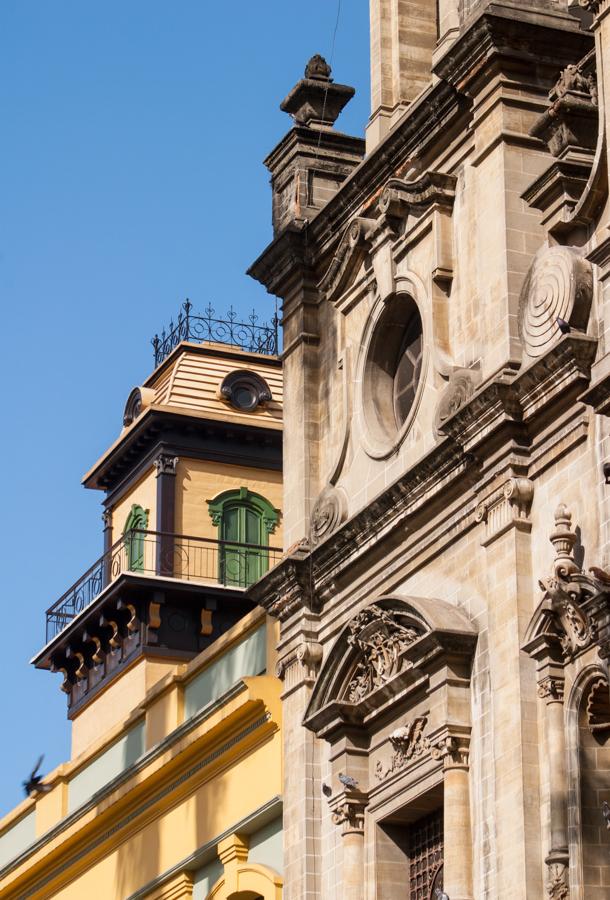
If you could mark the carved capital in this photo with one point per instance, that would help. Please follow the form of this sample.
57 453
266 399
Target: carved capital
454 752
165 464
551 689
507 506
300 666
349 813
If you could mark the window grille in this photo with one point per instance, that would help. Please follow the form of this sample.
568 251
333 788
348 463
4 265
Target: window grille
426 856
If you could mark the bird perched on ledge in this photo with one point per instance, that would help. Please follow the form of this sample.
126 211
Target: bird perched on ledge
439 894
606 813
33 785
348 782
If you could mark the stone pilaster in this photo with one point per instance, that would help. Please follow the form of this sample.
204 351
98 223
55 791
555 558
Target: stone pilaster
512 683
457 863
348 813
551 690
298 663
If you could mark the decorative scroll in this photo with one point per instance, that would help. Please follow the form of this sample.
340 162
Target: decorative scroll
382 639
328 513
348 257
459 390
556 296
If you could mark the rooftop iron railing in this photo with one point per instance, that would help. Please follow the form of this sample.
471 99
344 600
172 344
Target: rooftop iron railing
167 555
250 336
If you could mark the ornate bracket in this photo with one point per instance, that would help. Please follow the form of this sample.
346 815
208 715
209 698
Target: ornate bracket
165 464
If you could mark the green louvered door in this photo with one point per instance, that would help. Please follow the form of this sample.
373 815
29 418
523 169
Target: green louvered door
240 566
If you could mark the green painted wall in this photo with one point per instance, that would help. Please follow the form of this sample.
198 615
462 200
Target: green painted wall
118 757
249 657
267 847
205 879
17 838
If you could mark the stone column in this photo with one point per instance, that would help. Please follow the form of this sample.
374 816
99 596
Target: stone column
349 814
457 839
166 506
551 689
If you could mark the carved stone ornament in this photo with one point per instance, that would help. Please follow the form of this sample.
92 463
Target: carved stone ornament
460 388
408 743
348 257
382 639
558 289
349 813
328 513
507 506
551 689
598 707
165 464
318 68
557 885
574 80
453 751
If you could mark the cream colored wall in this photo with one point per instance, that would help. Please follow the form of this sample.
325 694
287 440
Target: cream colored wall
198 481
116 703
144 494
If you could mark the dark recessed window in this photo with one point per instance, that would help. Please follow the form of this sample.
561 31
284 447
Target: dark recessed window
392 371
408 368
245 390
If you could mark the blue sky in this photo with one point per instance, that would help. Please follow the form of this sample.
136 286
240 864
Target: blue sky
131 177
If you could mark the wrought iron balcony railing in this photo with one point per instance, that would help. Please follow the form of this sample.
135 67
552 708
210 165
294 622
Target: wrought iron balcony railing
167 555
248 335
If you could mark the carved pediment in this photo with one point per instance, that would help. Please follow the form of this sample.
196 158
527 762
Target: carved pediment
348 257
384 648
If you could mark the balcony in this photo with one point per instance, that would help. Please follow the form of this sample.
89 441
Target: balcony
168 556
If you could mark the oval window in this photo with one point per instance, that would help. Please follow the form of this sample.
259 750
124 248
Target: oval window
392 372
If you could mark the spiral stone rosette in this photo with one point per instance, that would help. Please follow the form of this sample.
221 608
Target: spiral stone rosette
459 390
559 286
328 513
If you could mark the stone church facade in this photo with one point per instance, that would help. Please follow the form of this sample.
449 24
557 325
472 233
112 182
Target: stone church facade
444 606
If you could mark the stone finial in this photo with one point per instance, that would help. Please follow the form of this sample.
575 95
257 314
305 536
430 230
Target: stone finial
316 100
563 540
318 68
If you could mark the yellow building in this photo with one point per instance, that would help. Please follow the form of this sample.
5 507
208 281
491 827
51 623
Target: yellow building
174 785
